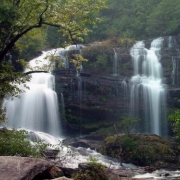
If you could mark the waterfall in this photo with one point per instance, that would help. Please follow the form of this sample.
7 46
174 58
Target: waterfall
115 60
174 70
172 42
37 112
37 107
125 93
173 48
147 91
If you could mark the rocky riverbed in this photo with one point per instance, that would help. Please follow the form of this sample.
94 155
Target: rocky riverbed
25 168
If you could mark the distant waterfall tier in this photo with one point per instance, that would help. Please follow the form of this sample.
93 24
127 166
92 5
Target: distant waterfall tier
37 107
147 91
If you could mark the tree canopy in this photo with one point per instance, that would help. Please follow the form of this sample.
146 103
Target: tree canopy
138 19
72 17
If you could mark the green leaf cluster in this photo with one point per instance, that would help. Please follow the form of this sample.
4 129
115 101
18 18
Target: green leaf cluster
13 142
127 124
78 60
174 117
91 172
100 58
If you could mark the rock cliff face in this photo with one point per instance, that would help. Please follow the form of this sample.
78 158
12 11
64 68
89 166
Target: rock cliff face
94 101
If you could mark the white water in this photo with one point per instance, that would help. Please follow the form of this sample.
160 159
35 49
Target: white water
37 112
161 175
115 63
71 157
147 89
37 107
43 62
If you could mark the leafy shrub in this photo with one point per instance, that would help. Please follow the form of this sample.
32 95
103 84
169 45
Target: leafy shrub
100 58
126 42
141 150
93 171
128 123
14 142
174 117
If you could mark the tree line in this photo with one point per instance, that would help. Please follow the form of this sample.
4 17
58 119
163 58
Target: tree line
136 19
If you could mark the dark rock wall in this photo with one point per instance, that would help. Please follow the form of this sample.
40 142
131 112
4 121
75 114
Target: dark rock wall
95 101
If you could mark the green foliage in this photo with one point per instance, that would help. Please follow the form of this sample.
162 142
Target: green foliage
54 38
104 131
13 142
99 57
78 60
138 19
174 117
71 17
128 123
141 150
34 41
92 160
93 171
110 139
164 19
113 147
10 80
126 42
137 152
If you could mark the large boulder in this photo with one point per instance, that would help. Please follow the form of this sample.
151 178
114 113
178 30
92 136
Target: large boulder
23 168
92 142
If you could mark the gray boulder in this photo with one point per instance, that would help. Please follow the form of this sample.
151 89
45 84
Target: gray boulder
23 168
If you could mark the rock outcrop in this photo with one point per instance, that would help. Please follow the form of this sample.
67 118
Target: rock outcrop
23 168
98 100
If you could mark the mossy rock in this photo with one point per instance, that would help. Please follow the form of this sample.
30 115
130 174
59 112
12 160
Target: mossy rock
91 171
142 150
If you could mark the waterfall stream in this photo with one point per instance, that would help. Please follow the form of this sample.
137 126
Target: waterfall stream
115 63
37 107
148 92
37 112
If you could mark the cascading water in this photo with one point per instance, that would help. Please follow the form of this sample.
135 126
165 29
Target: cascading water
37 107
115 60
147 91
125 93
37 111
174 73
172 47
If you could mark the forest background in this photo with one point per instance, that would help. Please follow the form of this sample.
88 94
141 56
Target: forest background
135 19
